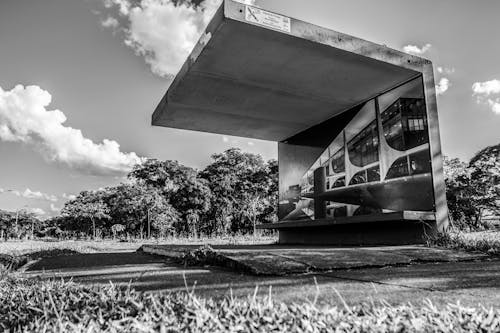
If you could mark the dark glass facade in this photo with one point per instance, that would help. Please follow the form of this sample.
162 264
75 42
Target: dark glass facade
379 162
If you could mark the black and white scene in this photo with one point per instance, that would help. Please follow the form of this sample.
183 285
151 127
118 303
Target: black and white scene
249 166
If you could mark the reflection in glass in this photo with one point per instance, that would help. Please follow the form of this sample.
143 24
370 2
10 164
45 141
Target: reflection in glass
338 161
373 174
405 123
358 178
399 168
365 210
363 148
340 211
339 182
420 162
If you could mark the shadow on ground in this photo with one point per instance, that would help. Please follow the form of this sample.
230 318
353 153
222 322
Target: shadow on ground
470 282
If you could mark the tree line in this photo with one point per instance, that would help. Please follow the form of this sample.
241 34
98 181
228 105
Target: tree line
231 195
473 189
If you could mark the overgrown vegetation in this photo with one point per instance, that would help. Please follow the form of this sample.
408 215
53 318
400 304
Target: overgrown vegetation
473 189
485 242
57 306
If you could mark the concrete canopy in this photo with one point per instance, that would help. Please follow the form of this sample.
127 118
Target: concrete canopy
270 81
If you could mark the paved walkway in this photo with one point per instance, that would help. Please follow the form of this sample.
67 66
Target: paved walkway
285 260
470 282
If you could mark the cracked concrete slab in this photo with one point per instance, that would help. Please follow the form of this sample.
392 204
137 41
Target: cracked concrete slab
284 260
470 282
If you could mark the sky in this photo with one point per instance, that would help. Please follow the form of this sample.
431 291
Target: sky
79 80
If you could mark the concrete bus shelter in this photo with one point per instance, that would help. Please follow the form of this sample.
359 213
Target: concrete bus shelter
356 124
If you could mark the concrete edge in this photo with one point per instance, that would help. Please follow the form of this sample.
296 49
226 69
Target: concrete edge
227 260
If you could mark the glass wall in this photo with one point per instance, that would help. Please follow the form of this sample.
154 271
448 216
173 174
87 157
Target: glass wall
379 163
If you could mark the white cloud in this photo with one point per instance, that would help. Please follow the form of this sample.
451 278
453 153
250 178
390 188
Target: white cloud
445 70
37 211
488 92
69 196
123 5
24 118
29 194
442 86
54 208
416 50
110 22
162 32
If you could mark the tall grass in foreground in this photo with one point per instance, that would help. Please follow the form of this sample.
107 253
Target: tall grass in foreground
485 242
57 306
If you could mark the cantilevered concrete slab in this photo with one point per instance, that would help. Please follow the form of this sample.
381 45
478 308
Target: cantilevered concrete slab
273 80
262 75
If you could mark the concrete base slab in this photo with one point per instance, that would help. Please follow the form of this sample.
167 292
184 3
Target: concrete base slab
284 260
473 283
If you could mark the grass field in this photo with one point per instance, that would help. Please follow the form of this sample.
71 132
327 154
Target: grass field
57 306
23 247
31 305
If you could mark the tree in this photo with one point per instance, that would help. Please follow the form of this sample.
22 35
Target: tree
459 193
165 176
86 207
181 187
165 220
137 206
116 229
473 189
485 180
241 184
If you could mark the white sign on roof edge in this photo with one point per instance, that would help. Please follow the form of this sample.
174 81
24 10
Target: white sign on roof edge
267 19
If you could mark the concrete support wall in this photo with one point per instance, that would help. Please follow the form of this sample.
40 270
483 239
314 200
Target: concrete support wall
442 221
384 233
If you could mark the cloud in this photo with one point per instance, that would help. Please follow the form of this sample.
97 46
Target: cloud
250 143
110 22
225 139
416 50
69 196
488 92
24 118
442 86
123 5
29 194
54 208
37 211
445 70
163 32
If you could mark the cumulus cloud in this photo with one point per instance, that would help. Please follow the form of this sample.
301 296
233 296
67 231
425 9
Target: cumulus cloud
29 194
110 22
37 211
24 118
416 50
163 32
69 196
123 5
488 92
442 86
54 208
445 70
